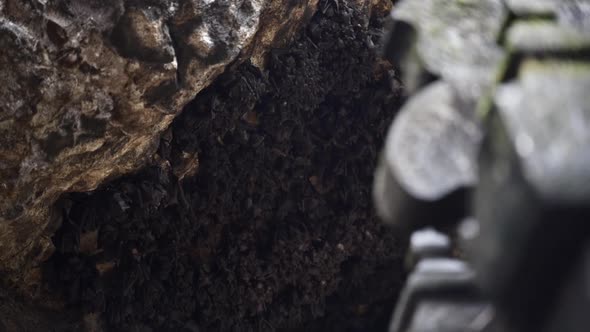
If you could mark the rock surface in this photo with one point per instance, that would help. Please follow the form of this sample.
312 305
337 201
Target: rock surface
471 47
274 230
87 87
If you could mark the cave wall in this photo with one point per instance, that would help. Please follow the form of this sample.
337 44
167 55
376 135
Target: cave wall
87 88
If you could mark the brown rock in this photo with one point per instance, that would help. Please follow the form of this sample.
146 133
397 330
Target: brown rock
88 86
105 267
188 165
251 118
89 242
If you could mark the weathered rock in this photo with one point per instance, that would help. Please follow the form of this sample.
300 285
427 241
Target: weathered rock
470 47
432 145
427 134
456 41
551 145
87 87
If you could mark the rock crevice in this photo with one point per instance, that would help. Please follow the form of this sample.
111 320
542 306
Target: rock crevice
87 87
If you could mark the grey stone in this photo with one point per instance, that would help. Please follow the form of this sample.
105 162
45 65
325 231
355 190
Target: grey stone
563 8
575 14
533 7
546 36
457 40
431 146
547 115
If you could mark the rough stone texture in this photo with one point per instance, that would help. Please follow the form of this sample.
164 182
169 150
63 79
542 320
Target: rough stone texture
471 46
87 86
295 143
457 40
426 134
551 144
431 148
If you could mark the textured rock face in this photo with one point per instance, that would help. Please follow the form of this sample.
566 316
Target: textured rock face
88 86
